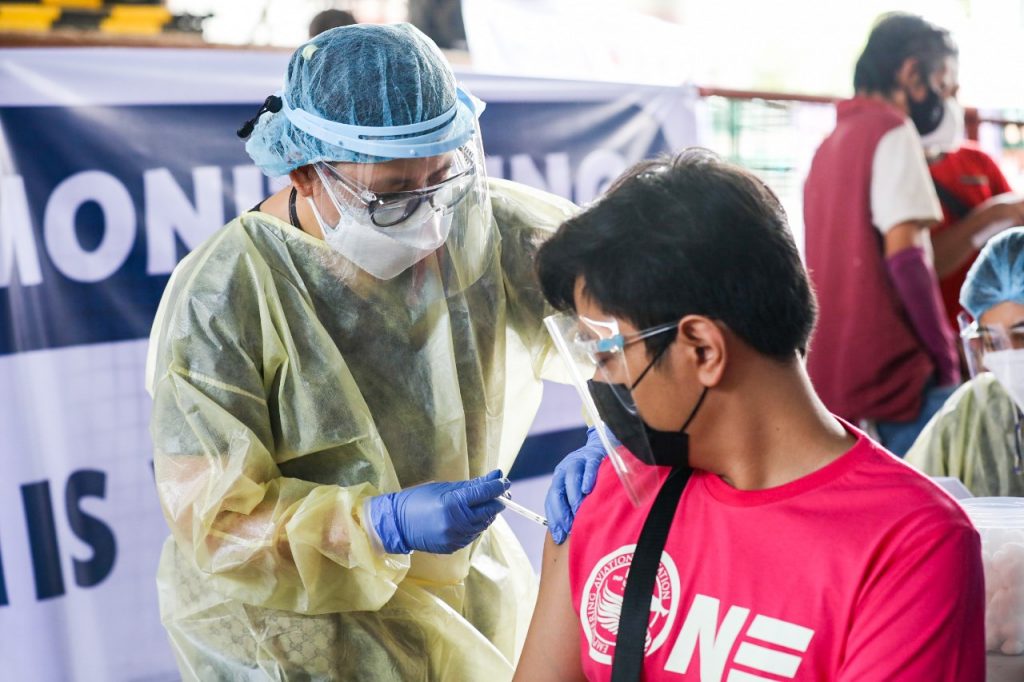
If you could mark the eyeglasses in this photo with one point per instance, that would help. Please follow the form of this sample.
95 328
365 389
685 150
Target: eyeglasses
391 208
598 350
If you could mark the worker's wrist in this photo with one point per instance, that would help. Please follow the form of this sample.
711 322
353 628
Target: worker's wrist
381 526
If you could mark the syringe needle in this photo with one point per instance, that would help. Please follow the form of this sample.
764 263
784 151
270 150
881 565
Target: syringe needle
521 510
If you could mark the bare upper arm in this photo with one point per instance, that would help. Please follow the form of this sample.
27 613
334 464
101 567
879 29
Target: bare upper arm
552 649
906 235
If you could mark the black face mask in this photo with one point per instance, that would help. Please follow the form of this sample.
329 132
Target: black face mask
660 448
927 114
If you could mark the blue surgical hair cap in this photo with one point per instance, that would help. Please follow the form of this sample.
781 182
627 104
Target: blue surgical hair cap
364 75
997 275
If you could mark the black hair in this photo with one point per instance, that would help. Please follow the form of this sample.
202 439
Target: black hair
895 37
686 234
328 19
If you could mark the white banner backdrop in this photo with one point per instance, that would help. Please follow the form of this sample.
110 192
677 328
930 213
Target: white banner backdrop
113 164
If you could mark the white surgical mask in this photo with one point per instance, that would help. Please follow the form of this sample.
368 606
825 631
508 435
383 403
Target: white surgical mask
1007 366
950 133
386 252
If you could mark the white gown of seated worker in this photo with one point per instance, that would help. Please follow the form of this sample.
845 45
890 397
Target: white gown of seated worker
285 395
972 438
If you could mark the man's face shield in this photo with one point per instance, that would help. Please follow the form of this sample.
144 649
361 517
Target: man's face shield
595 354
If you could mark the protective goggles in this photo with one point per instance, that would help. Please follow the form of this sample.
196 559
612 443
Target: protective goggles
447 185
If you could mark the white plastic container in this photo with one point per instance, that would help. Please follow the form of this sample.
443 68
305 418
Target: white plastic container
1000 522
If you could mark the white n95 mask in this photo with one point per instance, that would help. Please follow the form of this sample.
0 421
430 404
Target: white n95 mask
1007 366
385 253
950 133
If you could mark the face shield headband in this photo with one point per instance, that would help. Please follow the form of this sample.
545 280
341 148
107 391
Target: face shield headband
451 130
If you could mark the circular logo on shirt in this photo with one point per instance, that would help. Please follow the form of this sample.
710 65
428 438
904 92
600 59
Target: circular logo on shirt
602 603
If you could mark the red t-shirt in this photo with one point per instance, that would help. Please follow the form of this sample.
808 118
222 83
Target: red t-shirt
863 570
971 176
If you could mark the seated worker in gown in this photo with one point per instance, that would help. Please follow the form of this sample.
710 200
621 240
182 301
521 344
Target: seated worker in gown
976 436
740 531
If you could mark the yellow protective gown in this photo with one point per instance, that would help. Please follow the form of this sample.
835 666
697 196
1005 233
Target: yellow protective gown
283 399
972 438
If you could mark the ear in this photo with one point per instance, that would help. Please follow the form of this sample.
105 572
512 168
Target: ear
909 77
703 345
303 179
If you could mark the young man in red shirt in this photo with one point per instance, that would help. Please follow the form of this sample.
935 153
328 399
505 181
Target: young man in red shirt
798 548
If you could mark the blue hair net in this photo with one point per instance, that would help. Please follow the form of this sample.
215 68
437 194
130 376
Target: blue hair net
363 75
997 275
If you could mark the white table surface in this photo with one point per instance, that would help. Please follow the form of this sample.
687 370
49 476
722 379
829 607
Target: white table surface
1005 668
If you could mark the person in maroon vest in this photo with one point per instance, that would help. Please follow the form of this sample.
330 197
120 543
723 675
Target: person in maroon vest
883 353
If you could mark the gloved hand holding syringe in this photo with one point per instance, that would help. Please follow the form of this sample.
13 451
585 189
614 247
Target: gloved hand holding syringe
506 500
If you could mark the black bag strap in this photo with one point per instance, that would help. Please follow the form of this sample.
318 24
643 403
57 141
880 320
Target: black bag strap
955 205
628 660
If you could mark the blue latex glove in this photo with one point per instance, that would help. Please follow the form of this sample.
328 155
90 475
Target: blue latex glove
437 517
574 479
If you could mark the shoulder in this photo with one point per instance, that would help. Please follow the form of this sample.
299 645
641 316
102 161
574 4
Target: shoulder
902 523
977 160
217 279
608 508
987 397
969 150
980 394
899 141
518 207
860 125
902 500
967 158
222 254
869 116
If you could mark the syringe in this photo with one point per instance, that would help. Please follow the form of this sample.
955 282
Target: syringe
506 500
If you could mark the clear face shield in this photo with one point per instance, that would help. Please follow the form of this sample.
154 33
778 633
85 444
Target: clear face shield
594 352
1000 350
423 213
991 348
